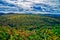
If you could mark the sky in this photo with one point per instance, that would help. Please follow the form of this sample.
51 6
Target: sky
30 6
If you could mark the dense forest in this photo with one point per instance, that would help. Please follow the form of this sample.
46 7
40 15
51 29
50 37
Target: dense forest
29 27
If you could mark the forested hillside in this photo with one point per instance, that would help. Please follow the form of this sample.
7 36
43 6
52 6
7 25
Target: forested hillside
29 27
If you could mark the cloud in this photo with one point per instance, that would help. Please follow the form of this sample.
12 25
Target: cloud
14 6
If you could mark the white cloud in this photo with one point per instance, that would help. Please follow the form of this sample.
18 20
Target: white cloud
28 4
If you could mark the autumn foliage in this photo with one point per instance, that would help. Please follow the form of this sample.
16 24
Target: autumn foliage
29 27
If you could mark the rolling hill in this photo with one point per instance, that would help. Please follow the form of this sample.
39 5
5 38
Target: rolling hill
29 27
